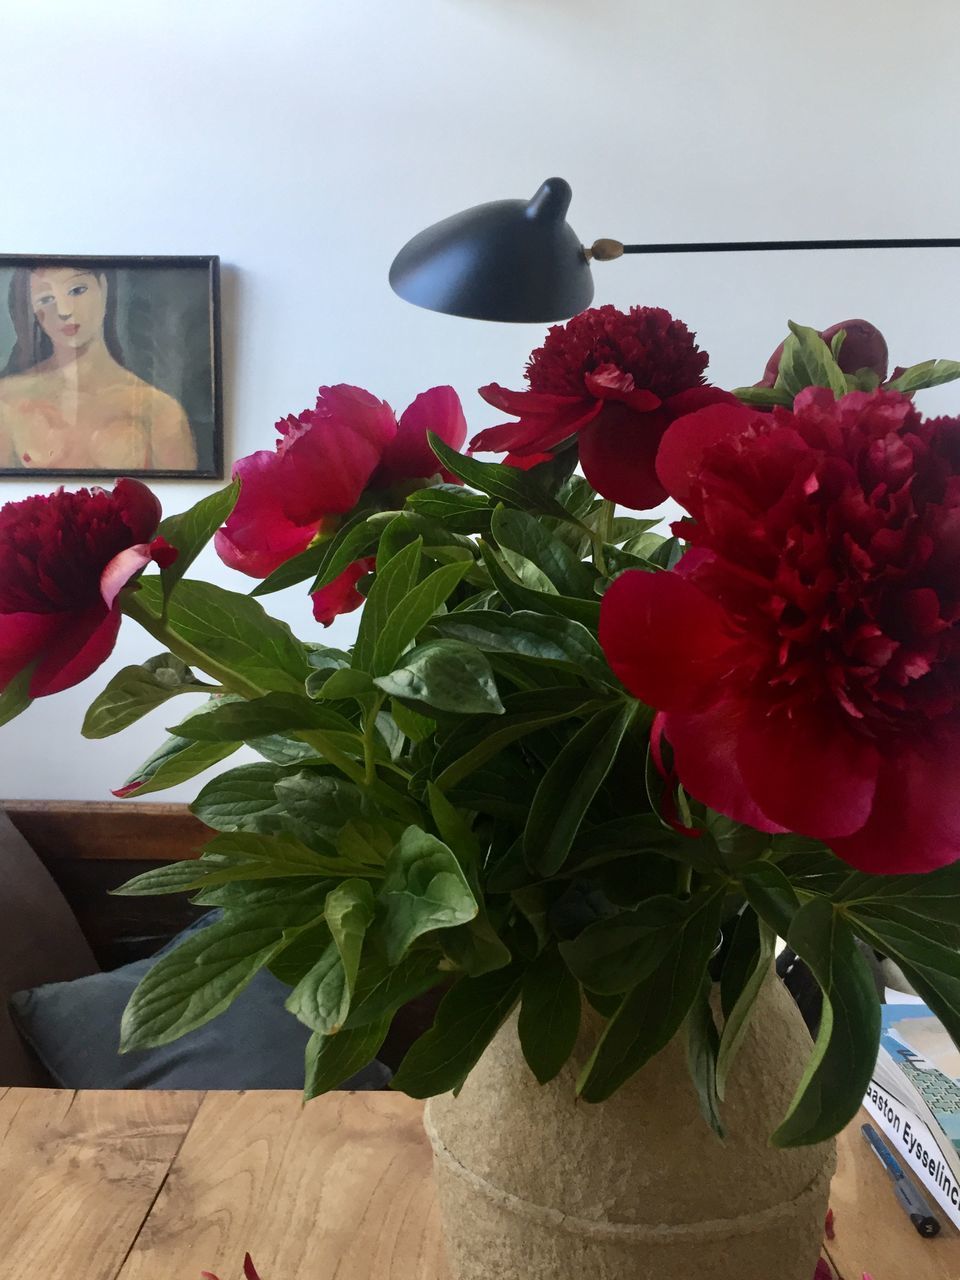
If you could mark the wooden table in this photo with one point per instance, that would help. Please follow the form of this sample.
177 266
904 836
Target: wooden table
162 1186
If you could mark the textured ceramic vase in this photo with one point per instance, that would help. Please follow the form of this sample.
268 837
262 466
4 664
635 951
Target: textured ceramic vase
534 1185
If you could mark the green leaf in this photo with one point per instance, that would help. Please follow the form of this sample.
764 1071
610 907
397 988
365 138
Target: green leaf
424 889
234 631
470 744
381 990
835 1079
354 540
808 362
702 1046
15 698
203 974
520 597
549 1015
332 1060
930 373
505 484
469 1016
618 952
393 583
452 506
744 972
190 531
321 999
546 637
341 684
412 613
445 675
243 799
651 1014
176 760
771 895
524 541
273 713
416 727
763 397
295 570
318 804
135 690
367 843
570 784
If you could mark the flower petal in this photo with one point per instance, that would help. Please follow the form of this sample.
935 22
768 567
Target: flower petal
705 758
22 637
914 825
807 770
257 537
525 403
341 595
139 508
535 432
327 460
668 642
80 644
683 445
408 455
121 569
618 452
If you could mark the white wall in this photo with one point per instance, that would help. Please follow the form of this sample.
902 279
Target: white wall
305 140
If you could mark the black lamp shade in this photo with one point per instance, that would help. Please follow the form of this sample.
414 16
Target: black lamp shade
507 260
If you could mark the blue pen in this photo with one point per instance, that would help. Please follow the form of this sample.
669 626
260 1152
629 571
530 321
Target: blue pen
918 1211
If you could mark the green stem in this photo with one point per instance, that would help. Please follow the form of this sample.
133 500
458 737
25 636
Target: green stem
603 527
189 653
369 731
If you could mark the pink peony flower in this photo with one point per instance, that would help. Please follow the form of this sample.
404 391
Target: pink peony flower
323 462
805 653
64 559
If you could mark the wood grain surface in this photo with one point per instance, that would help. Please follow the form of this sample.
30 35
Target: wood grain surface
162 1186
340 1188
79 1173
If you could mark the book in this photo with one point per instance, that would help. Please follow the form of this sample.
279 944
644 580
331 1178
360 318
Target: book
915 1099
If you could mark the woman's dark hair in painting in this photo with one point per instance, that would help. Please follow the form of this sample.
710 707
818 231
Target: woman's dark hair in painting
32 346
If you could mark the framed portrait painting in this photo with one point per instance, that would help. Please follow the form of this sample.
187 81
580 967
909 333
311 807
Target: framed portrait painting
110 366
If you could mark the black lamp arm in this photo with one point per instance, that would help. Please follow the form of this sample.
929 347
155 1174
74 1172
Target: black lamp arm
762 246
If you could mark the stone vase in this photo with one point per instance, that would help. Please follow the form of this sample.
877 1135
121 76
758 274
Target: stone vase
535 1185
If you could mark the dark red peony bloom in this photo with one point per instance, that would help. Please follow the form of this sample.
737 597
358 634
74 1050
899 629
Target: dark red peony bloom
806 651
63 560
323 462
341 595
614 381
864 347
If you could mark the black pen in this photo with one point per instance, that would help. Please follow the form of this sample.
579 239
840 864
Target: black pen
918 1211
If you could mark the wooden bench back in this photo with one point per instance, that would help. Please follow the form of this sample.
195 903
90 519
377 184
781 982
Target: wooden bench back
91 847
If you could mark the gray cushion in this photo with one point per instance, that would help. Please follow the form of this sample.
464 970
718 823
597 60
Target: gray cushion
74 1028
40 941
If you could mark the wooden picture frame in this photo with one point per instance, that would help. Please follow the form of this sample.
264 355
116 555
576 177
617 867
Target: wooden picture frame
110 366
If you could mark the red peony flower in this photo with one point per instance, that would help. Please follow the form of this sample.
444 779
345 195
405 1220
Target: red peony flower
614 381
805 653
864 347
323 462
63 561
341 595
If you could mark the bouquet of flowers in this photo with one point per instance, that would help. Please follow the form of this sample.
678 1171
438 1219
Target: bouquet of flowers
568 757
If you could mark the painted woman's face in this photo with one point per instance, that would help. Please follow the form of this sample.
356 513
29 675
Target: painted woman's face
69 305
